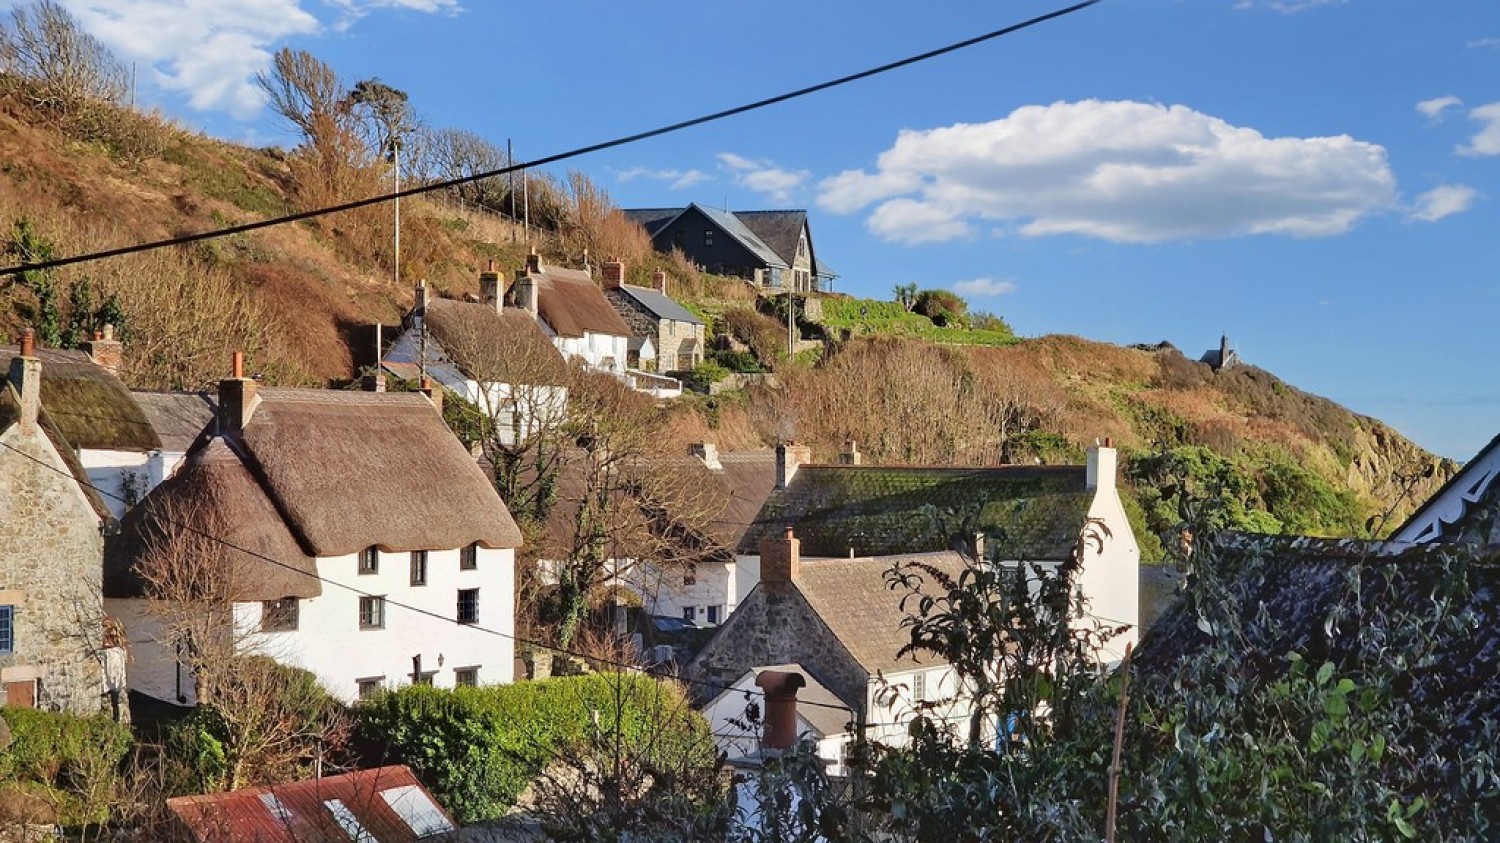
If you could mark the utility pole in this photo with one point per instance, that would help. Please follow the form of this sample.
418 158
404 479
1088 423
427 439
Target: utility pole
396 154
791 324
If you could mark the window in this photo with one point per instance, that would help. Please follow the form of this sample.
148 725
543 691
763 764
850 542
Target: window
419 567
278 615
466 677
372 613
468 558
715 613
425 677
7 630
708 237
369 686
369 560
468 605
688 613
919 687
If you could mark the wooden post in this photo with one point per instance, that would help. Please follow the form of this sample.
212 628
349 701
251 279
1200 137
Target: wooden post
1114 764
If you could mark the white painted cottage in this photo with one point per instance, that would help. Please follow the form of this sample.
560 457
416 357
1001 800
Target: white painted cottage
325 510
572 310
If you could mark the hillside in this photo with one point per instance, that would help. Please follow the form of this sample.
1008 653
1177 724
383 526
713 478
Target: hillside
300 298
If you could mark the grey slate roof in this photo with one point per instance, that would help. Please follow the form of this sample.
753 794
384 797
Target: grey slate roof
863 612
177 417
659 305
652 219
881 511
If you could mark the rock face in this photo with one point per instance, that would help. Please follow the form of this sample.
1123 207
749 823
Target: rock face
1390 468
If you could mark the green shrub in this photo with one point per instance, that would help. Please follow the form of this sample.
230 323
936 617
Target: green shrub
708 372
478 748
738 361
52 748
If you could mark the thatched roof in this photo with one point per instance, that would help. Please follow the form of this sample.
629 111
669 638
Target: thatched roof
571 303
354 469
323 473
1035 512
213 492
10 413
484 342
91 407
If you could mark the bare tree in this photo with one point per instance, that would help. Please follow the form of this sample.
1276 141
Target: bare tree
45 45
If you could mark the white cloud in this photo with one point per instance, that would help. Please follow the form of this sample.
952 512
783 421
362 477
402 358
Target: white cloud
1437 106
1443 201
210 50
764 177
677 179
1122 171
1287 7
1487 140
1485 44
985 287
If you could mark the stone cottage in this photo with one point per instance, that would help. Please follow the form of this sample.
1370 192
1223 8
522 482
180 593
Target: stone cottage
52 526
675 333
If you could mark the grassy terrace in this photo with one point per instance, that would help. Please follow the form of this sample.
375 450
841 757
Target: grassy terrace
867 316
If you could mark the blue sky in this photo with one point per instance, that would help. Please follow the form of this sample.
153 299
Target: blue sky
1317 178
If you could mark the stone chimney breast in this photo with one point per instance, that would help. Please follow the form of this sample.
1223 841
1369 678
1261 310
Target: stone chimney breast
780 559
659 281
237 398
26 378
709 453
105 350
613 274
490 290
850 454
789 457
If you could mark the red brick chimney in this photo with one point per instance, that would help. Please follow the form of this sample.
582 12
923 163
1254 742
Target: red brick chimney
237 397
105 350
26 378
490 290
659 281
780 559
781 707
434 393
613 274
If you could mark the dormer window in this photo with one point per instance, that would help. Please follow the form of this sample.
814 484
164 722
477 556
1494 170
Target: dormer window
468 558
369 560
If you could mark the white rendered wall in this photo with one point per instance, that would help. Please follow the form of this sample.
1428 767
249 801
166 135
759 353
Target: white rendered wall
735 740
1110 577
890 708
329 641
664 590
118 475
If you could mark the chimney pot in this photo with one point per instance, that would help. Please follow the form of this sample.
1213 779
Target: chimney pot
26 379
28 343
780 558
98 335
237 364
434 393
780 688
1101 466
105 350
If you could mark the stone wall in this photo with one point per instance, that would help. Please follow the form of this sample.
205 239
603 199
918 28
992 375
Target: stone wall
51 565
775 625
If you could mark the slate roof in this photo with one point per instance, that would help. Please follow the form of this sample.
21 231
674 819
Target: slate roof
652 219
1035 511
91 407
852 598
781 230
385 805
655 219
1287 589
320 473
659 304
1458 510
177 417
571 303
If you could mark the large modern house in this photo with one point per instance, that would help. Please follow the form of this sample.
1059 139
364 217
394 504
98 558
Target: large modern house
772 250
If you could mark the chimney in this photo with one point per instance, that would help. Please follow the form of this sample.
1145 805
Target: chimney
978 546
708 452
26 377
613 274
434 393
1102 465
850 456
533 262
780 559
490 291
789 457
659 281
237 397
781 707
375 381
419 303
105 350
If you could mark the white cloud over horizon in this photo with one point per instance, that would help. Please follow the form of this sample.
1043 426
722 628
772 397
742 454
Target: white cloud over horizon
986 287
1122 171
1435 108
676 179
1287 7
209 51
764 177
1484 44
1443 201
1486 141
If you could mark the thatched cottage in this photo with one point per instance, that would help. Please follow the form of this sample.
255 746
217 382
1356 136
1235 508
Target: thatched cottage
314 513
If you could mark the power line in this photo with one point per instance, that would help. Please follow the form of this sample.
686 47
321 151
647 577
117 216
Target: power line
551 159
397 603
